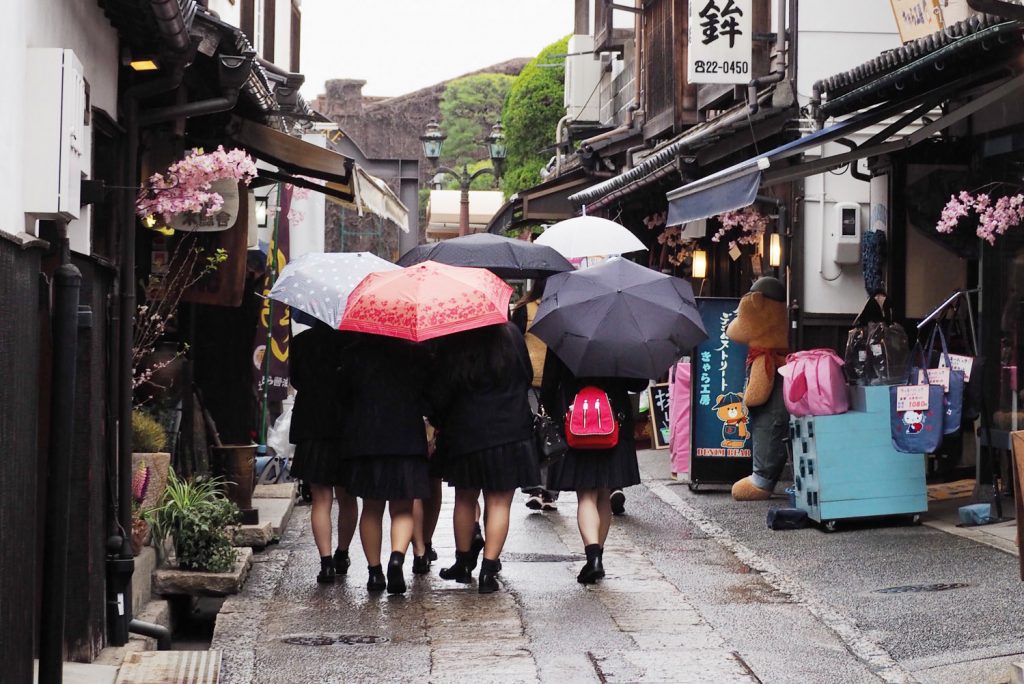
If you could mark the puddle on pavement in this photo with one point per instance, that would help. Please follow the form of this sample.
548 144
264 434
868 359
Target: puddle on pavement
332 639
921 588
757 592
512 557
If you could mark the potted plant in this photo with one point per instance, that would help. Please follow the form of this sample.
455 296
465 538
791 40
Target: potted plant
197 517
150 465
140 528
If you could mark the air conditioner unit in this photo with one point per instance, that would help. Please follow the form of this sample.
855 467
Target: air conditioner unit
55 133
582 76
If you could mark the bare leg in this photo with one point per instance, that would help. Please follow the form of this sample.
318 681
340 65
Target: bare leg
496 508
604 510
371 524
419 541
348 517
401 524
588 517
466 507
320 518
432 511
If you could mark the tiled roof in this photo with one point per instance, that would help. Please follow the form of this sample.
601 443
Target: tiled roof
892 60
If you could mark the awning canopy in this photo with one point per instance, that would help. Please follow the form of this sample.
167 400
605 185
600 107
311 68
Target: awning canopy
736 186
546 202
373 195
292 155
444 205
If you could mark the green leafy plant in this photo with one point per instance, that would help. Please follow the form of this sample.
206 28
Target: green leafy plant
534 104
148 435
196 515
469 107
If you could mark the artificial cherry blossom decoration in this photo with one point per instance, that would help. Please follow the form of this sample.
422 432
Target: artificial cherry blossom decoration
993 218
749 220
187 185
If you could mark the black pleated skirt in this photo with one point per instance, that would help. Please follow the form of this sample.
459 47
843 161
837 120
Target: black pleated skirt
386 478
613 468
500 468
317 461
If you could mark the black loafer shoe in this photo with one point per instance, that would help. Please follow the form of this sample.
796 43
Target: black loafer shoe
376 581
488 583
420 565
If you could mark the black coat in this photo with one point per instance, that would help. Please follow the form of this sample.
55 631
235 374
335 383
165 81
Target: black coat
560 387
314 366
383 382
486 414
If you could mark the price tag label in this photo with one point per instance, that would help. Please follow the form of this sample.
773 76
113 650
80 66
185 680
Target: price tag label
912 398
936 376
734 252
959 362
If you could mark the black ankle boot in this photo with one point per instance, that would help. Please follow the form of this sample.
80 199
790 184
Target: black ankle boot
341 561
396 577
460 570
488 581
421 564
431 553
327 571
594 568
475 547
376 581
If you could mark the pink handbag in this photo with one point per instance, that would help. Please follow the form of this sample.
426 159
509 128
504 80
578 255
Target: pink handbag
814 384
679 417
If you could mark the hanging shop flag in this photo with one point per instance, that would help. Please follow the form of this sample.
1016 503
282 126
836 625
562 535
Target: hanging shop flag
720 45
270 367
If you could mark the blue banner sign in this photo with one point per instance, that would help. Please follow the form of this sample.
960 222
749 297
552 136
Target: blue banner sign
720 422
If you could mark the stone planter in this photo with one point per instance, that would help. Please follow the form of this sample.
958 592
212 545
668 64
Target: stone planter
236 465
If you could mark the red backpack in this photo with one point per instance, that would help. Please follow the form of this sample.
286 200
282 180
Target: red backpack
590 421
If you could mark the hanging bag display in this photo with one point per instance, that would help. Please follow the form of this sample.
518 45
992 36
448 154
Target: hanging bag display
952 381
916 412
814 384
590 422
876 348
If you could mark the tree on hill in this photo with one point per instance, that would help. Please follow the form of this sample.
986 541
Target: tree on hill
469 106
532 109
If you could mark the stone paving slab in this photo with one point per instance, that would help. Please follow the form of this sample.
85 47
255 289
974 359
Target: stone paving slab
171 581
256 536
284 490
276 510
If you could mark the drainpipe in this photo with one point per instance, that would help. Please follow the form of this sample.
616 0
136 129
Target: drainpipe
815 103
854 171
1000 8
634 106
233 71
780 66
67 281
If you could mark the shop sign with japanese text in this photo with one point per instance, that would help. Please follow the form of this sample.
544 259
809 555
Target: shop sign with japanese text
720 45
916 18
719 417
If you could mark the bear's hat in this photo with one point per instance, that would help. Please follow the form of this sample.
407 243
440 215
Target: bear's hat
772 288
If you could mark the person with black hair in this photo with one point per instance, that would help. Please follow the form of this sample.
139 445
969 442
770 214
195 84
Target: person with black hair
592 473
315 431
385 462
479 404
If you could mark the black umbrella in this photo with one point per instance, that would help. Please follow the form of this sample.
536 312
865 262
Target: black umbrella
505 257
618 319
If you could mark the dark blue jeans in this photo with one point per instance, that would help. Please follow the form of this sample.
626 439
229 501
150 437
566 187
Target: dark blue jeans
769 425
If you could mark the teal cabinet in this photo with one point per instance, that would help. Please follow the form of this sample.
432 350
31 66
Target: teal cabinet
845 466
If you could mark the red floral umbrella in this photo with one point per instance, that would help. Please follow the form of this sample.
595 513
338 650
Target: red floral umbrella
425 301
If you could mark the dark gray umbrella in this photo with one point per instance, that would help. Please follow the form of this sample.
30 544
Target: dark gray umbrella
618 319
505 257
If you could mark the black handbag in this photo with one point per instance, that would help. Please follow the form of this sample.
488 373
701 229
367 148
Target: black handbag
550 438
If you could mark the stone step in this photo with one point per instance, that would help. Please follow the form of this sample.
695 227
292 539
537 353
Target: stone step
171 667
171 581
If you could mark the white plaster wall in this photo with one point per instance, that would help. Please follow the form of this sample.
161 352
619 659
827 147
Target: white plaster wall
12 55
229 12
283 34
835 36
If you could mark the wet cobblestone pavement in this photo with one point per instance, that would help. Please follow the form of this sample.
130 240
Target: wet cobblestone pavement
634 626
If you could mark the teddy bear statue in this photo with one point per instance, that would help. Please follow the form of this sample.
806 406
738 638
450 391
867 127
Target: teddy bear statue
761 323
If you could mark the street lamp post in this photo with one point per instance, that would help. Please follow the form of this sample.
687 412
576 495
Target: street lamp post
433 138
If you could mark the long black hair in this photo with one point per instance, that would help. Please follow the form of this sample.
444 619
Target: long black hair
476 358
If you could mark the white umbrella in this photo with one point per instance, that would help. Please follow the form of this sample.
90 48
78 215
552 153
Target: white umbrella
319 283
587 236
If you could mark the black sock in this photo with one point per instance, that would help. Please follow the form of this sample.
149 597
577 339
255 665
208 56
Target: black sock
375 569
397 558
341 553
326 562
593 552
489 566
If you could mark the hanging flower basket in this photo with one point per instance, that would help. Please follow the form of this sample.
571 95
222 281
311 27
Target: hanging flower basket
191 193
994 218
742 227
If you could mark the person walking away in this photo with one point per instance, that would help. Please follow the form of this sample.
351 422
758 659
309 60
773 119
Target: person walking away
525 310
592 473
385 446
479 403
427 511
315 431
